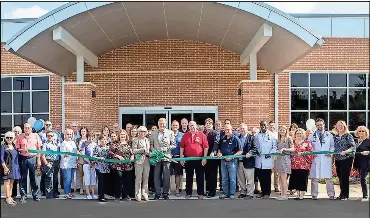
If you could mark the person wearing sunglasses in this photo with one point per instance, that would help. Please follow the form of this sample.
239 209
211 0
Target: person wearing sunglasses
362 160
17 131
49 127
29 162
9 162
50 166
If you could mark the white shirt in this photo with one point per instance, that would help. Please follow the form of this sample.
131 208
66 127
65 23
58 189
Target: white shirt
69 161
160 135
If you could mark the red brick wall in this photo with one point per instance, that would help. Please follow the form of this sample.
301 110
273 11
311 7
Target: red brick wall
254 102
337 54
80 105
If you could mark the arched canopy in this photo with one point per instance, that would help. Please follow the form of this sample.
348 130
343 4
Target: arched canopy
99 27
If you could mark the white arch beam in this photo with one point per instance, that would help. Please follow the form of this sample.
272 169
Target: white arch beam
62 37
250 53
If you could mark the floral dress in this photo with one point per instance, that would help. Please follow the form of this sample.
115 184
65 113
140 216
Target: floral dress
124 150
283 162
102 166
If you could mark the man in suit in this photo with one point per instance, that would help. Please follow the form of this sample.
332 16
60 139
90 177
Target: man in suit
247 164
162 140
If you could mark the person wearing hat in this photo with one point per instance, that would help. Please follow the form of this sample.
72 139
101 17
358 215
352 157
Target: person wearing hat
141 146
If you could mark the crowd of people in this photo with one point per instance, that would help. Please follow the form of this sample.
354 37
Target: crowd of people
137 179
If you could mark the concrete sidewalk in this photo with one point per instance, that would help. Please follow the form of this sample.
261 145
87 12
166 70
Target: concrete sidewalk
355 192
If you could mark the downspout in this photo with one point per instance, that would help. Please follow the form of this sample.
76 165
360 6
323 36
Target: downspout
63 106
276 99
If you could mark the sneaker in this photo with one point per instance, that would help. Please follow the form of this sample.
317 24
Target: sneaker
94 197
365 199
344 199
282 198
222 196
232 197
23 199
314 198
89 197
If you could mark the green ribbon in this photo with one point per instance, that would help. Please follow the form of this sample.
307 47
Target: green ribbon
158 156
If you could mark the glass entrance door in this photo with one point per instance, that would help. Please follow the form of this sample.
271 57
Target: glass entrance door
149 116
178 115
152 117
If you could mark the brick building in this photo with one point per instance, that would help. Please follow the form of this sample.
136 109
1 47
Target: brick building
252 63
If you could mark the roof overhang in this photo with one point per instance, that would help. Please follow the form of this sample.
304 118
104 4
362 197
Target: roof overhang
100 27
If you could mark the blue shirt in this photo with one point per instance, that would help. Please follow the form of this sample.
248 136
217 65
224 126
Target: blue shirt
178 137
230 146
51 146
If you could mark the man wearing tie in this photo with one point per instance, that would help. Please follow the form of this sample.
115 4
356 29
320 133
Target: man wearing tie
321 167
162 140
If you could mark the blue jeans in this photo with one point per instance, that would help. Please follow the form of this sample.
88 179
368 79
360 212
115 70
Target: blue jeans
28 165
228 172
67 179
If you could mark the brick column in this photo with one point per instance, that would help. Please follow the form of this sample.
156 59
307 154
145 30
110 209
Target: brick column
80 106
255 101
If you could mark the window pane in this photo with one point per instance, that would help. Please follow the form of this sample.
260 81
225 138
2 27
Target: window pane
6 84
6 123
40 102
200 118
21 102
356 119
357 80
21 83
357 99
134 119
319 99
40 83
45 117
322 115
319 80
299 99
321 26
337 80
299 118
152 119
299 80
179 117
21 119
338 99
6 102
335 117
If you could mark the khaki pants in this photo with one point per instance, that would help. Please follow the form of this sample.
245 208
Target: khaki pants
79 177
141 180
329 187
246 180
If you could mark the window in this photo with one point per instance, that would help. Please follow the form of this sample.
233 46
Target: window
23 97
330 96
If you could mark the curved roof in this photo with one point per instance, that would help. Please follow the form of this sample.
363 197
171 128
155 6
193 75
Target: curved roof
104 26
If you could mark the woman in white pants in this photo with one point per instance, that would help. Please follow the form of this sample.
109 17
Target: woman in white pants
141 147
87 148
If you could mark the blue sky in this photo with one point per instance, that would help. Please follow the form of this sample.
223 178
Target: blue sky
37 9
